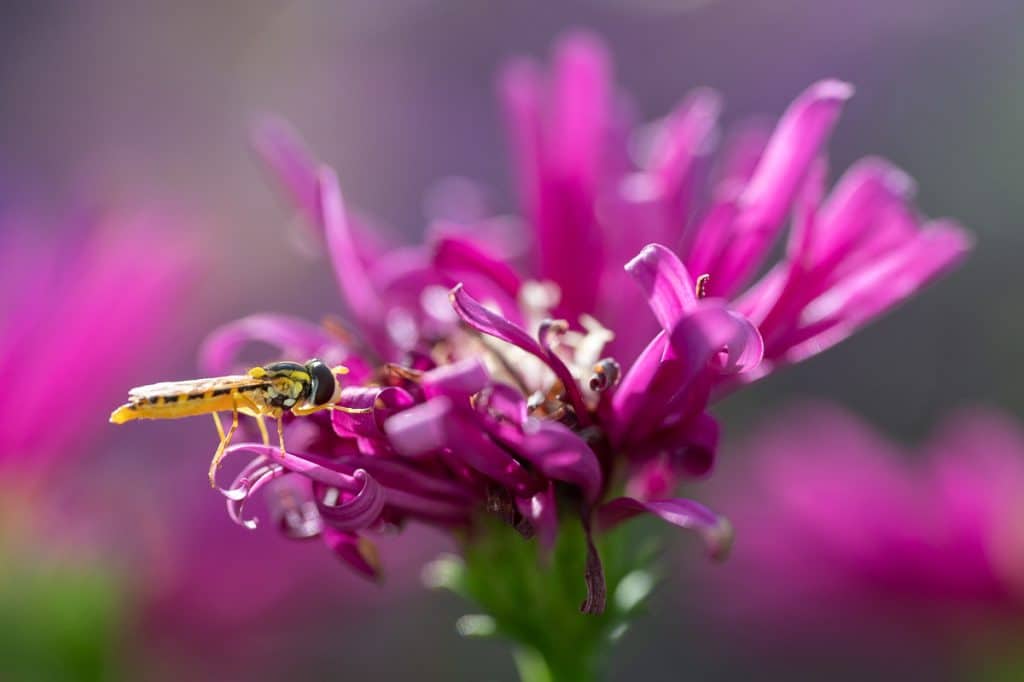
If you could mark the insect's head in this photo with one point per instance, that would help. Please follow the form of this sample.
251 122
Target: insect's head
290 384
324 385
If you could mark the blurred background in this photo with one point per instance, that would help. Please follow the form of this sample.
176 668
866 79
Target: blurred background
114 106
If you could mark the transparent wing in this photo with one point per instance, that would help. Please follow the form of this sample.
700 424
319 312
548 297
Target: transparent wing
192 386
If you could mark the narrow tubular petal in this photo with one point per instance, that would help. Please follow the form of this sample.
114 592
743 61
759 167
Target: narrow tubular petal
312 466
768 197
358 511
292 336
439 424
353 279
285 154
248 484
374 404
715 530
461 379
665 282
558 453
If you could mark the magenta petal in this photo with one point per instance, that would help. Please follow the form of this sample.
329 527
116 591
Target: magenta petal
245 486
292 336
284 152
653 388
375 405
685 137
457 257
715 530
867 294
356 551
559 454
304 464
439 424
487 322
794 144
353 278
666 283
460 379
354 512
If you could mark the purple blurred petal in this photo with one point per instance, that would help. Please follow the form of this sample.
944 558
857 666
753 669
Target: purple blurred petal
558 453
292 336
461 379
285 153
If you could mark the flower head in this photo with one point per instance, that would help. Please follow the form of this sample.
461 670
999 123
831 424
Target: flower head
547 387
836 519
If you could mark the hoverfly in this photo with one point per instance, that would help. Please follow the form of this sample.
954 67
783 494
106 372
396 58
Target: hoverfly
267 391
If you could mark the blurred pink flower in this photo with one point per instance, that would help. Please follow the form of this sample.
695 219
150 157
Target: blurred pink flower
82 306
464 394
846 535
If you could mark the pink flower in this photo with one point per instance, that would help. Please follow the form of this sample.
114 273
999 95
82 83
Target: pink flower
80 309
839 523
534 388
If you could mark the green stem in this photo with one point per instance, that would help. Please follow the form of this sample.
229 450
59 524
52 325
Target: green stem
534 667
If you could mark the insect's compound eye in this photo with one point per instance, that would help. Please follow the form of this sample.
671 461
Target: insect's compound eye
324 382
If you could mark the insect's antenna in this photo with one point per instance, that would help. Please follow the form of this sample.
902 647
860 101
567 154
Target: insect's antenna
340 369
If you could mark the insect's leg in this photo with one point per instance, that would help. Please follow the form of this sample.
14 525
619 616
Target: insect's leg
220 427
264 436
218 455
280 433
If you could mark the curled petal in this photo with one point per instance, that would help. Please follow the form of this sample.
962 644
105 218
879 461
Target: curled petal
313 467
716 531
712 338
666 283
367 408
358 511
245 485
354 550
292 336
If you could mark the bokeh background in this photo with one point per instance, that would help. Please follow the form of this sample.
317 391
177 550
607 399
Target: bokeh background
111 102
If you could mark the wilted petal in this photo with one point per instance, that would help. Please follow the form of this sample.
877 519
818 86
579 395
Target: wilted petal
715 530
542 511
354 550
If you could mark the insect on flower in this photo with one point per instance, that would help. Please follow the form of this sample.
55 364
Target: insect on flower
267 391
